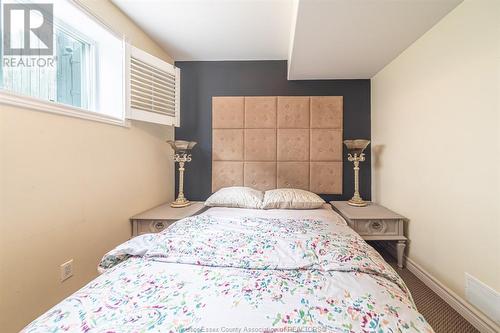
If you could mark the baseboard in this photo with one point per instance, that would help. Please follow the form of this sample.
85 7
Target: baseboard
477 319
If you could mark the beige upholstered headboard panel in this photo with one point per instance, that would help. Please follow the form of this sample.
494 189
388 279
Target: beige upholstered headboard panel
278 141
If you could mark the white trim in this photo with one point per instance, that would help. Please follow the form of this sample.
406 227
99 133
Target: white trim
464 308
476 318
152 117
36 104
126 78
177 122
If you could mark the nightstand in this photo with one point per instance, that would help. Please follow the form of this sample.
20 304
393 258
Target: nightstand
159 218
375 223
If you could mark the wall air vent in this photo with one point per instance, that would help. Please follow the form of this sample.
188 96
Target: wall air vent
154 89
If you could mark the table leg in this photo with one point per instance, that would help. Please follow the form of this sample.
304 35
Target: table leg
400 252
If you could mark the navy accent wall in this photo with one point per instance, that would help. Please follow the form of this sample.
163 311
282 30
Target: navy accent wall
200 80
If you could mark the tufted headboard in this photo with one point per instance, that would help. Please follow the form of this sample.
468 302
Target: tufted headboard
278 141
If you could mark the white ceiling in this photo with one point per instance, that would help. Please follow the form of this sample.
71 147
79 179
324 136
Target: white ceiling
321 39
354 39
215 29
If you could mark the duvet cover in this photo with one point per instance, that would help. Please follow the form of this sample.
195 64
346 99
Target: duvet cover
239 270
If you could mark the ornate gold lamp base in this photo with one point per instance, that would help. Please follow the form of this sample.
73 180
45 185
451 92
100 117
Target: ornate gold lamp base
180 202
357 202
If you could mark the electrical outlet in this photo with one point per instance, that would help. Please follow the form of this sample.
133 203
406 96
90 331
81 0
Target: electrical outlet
66 270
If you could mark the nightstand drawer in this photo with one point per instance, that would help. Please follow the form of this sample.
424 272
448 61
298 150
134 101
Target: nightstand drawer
151 226
374 227
375 223
161 217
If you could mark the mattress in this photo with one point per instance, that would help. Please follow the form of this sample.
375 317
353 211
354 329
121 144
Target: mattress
242 270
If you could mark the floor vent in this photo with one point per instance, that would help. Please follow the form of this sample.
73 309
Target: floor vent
482 297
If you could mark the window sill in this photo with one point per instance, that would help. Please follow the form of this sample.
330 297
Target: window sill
31 103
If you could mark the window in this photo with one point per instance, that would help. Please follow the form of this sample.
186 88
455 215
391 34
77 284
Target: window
84 73
67 80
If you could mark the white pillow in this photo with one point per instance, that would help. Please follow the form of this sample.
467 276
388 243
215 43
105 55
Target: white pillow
236 196
291 198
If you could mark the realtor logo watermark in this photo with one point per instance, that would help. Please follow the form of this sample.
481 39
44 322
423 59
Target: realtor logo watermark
28 35
33 23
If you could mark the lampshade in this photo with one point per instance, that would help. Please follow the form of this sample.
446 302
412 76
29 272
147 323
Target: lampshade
181 146
356 146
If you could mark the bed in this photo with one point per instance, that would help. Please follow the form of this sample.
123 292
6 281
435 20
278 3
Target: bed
242 270
252 270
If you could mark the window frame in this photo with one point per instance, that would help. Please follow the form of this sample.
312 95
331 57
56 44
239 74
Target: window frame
37 104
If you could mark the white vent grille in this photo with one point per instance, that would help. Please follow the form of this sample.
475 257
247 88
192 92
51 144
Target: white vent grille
154 89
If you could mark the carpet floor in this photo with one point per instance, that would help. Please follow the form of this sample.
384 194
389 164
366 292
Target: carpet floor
437 312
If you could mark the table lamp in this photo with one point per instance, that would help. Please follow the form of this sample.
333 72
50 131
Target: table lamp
182 154
355 150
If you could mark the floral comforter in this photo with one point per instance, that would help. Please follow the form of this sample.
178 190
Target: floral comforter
241 274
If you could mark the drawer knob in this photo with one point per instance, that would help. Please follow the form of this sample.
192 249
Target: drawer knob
159 225
376 225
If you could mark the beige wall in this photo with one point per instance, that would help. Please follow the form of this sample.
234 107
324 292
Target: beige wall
67 189
435 129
